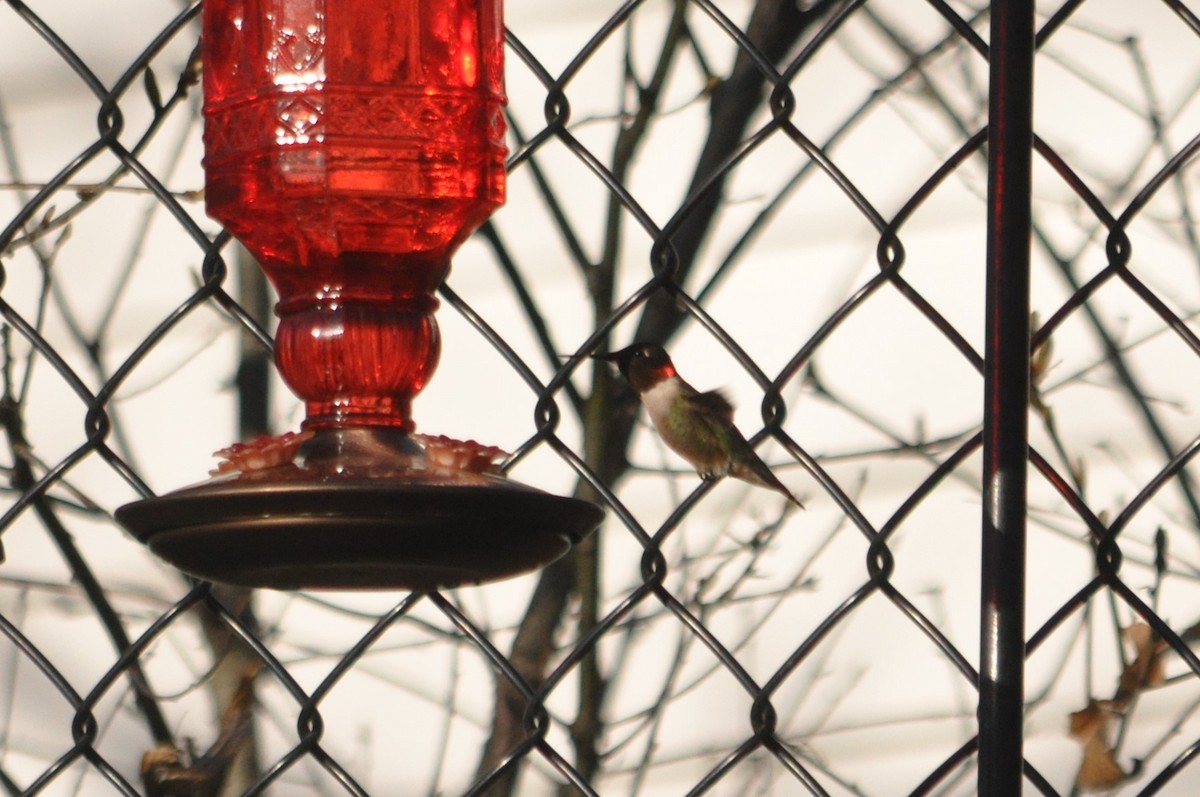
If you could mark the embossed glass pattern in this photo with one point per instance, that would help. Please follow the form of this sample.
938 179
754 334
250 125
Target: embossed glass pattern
352 146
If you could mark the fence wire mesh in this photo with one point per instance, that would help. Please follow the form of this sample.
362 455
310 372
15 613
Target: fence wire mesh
793 198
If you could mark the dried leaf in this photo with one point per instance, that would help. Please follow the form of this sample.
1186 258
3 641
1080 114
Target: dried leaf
168 771
1139 635
1090 722
165 773
1099 769
1146 669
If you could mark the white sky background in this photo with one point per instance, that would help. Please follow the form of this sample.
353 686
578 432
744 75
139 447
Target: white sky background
876 705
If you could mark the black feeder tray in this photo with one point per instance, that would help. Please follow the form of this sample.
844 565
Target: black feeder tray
305 525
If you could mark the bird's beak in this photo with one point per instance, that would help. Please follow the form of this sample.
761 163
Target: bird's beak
616 356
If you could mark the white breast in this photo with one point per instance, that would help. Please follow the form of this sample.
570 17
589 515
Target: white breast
658 400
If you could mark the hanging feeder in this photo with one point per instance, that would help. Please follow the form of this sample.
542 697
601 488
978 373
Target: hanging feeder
352 146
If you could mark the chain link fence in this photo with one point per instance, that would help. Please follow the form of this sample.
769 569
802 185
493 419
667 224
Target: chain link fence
794 199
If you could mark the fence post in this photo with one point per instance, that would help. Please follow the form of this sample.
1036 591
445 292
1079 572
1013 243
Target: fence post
1006 399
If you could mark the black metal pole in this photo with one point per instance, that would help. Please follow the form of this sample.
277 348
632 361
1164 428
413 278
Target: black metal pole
253 378
1006 397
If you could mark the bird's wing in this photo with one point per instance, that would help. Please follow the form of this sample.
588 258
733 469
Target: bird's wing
712 404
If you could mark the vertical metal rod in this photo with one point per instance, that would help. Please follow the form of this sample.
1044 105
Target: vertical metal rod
253 378
1006 397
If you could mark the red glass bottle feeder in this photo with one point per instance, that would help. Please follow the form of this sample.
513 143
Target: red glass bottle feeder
351 146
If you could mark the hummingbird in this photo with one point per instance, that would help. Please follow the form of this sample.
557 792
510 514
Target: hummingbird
696 426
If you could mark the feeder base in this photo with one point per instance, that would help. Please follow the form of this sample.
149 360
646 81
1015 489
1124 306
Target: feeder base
358 533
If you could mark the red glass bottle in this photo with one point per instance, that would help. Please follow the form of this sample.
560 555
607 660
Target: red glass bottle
351 146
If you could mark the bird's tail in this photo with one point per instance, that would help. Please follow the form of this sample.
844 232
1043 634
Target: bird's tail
756 471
